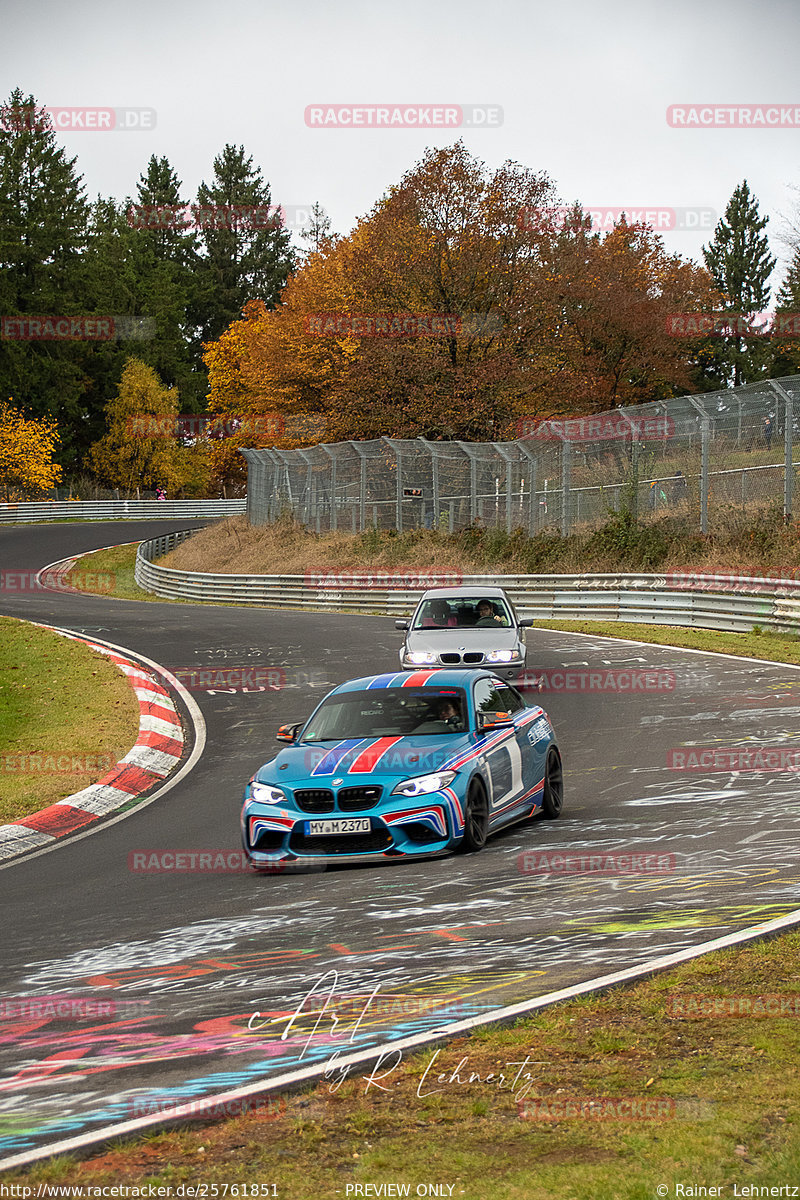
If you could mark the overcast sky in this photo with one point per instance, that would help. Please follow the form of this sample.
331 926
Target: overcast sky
584 89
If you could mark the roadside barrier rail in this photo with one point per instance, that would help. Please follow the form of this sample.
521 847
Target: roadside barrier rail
119 510
722 602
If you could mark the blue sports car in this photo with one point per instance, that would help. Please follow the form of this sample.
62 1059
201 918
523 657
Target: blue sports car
405 765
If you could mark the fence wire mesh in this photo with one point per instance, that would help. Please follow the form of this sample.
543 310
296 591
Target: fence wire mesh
709 457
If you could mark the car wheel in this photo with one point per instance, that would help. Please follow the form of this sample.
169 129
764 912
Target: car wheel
553 798
476 817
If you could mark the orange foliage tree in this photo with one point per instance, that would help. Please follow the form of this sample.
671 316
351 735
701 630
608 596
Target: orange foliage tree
26 454
550 320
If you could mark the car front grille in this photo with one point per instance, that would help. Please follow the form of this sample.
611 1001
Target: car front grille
451 659
346 843
356 799
314 800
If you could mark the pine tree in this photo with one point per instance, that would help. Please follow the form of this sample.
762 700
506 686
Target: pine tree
786 352
43 233
247 257
740 263
166 265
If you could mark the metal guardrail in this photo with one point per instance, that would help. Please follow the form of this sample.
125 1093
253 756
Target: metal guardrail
702 601
119 510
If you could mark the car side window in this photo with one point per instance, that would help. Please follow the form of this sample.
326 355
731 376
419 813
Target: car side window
488 698
511 699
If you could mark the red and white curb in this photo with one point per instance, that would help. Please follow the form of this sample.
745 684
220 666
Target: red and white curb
156 753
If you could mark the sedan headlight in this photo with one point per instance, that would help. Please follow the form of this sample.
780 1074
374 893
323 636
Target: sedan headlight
423 785
265 793
497 656
421 658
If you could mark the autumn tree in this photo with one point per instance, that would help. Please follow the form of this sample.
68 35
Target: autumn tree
26 454
604 303
143 447
539 317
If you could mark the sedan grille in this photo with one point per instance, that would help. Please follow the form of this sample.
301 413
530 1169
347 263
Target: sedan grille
314 800
450 658
355 799
472 657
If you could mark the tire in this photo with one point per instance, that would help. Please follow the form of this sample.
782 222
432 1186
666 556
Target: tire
476 818
553 798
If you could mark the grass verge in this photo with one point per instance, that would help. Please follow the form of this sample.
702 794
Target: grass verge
67 714
725 1110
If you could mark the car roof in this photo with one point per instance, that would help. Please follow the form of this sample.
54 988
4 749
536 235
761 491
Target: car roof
424 678
468 593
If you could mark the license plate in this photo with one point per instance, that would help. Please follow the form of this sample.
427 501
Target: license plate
332 826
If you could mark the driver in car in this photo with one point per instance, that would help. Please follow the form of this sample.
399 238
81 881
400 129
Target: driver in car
487 616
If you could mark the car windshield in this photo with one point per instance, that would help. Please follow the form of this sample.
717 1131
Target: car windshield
388 712
461 612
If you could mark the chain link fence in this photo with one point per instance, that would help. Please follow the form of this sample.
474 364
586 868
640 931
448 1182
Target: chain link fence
712 458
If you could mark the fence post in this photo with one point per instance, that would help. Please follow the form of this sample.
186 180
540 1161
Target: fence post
566 480
533 511
705 439
705 445
788 430
505 455
333 522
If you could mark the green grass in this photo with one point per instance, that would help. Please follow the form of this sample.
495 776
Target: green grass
67 714
773 647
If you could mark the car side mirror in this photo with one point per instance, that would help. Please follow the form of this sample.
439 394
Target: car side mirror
402 625
526 623
494 720
288 733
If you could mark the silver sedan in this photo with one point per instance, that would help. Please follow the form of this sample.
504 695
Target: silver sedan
465 627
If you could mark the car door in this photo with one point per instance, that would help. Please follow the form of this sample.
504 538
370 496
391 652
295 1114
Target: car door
508 769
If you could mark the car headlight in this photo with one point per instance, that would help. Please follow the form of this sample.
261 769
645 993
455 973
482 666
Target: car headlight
420 657
423 785
265 793
502 655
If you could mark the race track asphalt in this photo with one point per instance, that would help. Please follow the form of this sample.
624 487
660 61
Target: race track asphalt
182 961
